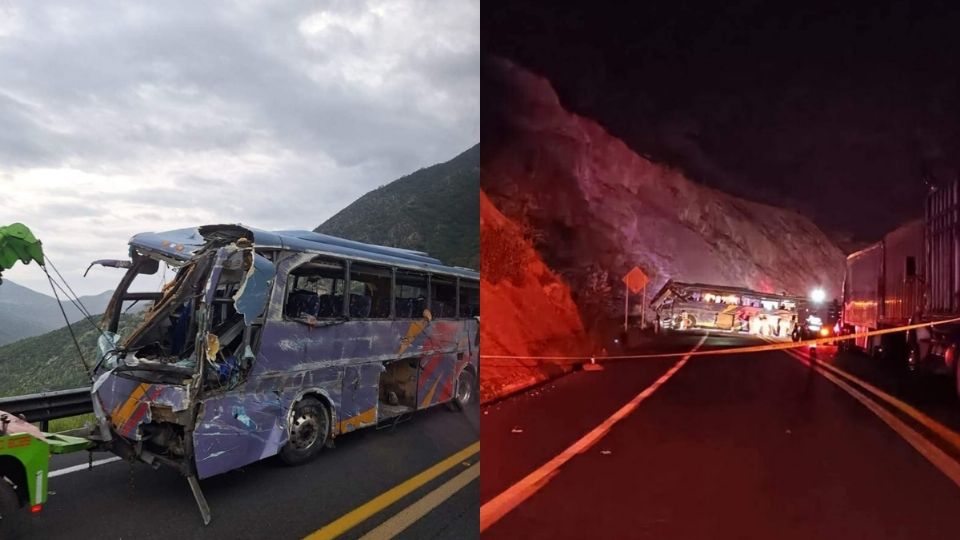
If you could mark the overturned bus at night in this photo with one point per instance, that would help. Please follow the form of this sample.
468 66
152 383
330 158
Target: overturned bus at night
683 306
274 343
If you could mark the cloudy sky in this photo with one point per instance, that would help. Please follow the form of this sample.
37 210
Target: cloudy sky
121 117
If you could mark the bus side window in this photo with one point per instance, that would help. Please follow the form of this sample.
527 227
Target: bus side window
410 296
443 297
315 290
369 292
469 299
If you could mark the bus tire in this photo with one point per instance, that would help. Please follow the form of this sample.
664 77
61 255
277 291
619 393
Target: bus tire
464 390
309 430
11 516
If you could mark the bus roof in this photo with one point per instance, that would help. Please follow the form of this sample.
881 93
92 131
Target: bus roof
671 286
179 246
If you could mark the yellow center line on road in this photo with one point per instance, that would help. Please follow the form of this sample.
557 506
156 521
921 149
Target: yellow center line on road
499 506
394 494
411 514
940 459
941 430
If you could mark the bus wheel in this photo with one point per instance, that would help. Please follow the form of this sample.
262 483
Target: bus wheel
10 513
463 393
309 430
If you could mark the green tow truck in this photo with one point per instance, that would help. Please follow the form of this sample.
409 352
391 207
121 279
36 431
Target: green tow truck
24 462
24 450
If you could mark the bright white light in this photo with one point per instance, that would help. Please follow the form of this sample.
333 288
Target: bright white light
818 295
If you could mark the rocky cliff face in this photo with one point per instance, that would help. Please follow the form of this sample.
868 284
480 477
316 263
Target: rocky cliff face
596 208
526 309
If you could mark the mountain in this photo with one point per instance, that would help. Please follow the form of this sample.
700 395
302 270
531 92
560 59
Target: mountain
49 361
25 313
595 208
435 209
529 309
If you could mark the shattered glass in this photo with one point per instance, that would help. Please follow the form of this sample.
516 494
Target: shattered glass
106 355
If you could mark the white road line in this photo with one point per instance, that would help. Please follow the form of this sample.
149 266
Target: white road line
409 515
502 504
82 466
940 459
947 434
941 430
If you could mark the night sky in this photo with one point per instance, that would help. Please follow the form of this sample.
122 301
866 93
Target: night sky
841 113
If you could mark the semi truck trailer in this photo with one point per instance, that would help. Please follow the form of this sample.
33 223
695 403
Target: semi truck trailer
910 276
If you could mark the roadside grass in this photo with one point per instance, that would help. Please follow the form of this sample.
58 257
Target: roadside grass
70 422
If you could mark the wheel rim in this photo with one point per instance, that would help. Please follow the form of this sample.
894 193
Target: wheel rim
306 429
464 387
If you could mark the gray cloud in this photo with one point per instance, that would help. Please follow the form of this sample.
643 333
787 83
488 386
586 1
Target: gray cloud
121 117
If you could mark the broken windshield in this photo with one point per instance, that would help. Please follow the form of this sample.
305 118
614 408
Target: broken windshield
207 315
166 337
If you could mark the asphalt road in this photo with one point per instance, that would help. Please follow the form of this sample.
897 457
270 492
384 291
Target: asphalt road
269 499
753 445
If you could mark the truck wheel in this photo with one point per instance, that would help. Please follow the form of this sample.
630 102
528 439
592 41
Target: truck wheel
11 516
463 391
309 429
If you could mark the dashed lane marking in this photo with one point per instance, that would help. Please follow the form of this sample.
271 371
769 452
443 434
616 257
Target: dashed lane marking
82 466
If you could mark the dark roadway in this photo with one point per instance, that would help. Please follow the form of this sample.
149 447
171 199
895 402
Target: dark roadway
746 446
268 499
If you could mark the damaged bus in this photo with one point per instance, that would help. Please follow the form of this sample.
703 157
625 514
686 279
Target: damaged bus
274 343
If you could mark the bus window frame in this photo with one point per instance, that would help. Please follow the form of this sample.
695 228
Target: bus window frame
290 280
475 286
446 279
347 286
418 273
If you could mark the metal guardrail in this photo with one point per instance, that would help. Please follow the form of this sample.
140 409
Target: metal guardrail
47 406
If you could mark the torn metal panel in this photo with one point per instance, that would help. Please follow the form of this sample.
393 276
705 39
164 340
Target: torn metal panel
127 402
176 247
360 396
250 299
239 427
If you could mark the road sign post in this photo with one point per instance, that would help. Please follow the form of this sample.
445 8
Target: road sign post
626 305
636 281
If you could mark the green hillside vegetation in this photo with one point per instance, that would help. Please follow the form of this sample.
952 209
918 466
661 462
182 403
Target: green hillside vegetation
25 312
49 361
436 209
